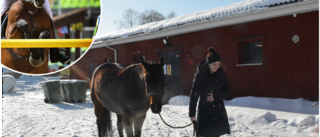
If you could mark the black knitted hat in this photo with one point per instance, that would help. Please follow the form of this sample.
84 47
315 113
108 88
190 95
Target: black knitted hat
212 56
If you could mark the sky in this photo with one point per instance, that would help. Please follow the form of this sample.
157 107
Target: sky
112 10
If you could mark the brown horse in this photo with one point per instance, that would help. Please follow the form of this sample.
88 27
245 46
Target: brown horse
27 20
128 92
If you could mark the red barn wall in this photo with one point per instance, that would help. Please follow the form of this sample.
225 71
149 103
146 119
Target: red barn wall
81 69
289 70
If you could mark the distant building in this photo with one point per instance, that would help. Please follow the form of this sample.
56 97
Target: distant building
59 7
268 49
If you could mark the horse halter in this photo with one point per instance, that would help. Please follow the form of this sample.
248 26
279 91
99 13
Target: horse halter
154 93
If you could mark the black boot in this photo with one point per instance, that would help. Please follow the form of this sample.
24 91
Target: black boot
56 56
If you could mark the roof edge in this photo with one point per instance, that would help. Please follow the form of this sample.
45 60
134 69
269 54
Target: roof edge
272 12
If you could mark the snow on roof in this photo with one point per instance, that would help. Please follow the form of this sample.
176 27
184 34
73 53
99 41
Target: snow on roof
221 12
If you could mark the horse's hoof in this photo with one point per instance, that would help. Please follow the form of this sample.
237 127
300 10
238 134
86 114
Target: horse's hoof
46 101
23 25
44 35
79 100
35 62
34 53
72 101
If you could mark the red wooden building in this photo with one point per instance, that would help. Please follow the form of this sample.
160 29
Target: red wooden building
267 50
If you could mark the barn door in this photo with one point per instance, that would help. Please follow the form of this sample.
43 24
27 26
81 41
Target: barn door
173 74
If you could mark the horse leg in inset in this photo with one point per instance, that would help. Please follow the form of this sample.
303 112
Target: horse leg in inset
40 52
55 54
44 35
36 57
138 125
128 126
120 126
23 25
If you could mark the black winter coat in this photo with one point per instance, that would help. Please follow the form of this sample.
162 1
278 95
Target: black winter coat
212 119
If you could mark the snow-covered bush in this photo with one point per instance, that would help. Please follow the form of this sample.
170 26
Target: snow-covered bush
8 83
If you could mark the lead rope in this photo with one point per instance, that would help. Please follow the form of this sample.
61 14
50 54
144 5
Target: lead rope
193 123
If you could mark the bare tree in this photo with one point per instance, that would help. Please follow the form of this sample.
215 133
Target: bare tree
171 15
150 16
130 19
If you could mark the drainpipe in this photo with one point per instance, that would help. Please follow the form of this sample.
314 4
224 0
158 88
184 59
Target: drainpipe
114 50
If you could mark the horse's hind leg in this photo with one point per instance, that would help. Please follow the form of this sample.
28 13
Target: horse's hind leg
23 25
103 120
128 126
119 125
138 125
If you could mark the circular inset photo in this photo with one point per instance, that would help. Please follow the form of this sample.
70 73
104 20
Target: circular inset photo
46 36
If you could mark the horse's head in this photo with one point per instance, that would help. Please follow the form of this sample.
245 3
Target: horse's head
154 83
36 3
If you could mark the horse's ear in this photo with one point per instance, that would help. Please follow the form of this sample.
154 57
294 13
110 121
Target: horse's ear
143 63
161 62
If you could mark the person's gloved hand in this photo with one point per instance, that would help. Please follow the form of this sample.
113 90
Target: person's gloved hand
210 97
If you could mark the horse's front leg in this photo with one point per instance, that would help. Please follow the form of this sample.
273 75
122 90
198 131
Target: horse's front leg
23 25
36 57
128 126
120 126
44 35
138 125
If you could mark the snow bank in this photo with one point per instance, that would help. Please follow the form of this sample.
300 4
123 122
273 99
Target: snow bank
180 100
307 121
52 78
299 105
30 80
267 117
72 81
8 83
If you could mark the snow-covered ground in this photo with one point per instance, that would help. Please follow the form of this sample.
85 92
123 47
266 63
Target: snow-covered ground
24 114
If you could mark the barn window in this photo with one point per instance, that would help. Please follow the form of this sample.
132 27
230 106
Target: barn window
250 53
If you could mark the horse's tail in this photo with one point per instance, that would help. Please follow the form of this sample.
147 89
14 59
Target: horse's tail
103 115
106 124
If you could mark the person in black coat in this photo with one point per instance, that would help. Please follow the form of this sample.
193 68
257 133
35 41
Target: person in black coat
211 85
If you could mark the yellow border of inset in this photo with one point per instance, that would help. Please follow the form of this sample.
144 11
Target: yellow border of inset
45 43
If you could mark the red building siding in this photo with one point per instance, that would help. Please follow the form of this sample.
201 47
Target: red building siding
289 70
93 57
